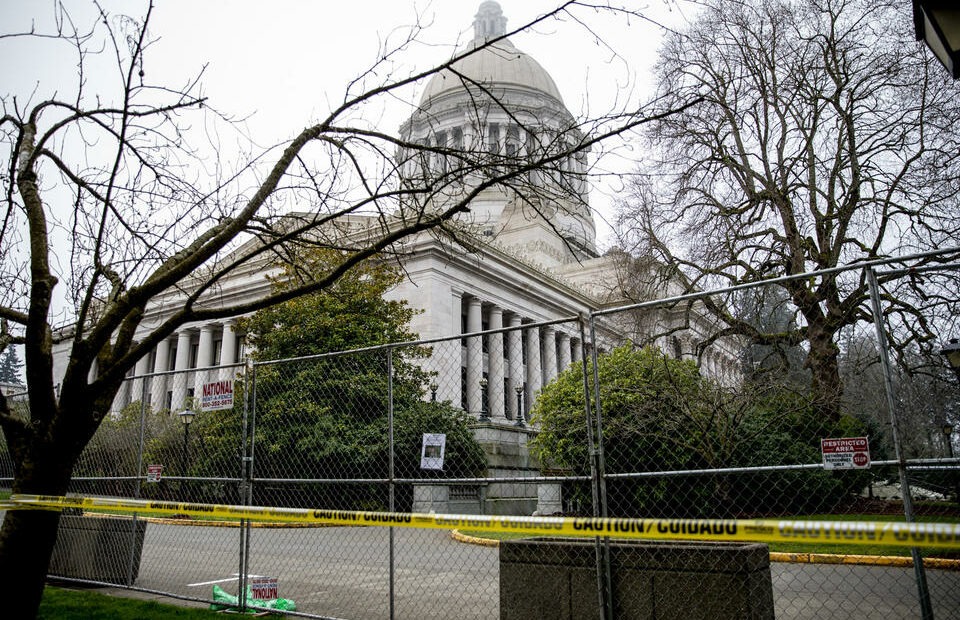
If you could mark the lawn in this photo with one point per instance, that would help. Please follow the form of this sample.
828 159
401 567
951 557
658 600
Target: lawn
66 604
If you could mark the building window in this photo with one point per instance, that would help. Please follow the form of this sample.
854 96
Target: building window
485 396
513 141
194 354
217 351
493 137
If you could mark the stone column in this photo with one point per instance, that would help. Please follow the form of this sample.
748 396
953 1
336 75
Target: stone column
534 376
204 360
549 359
205 350
495 366
136 386
179 379
516 364
577 349
474 357
228 350
448 357
158 384
564 346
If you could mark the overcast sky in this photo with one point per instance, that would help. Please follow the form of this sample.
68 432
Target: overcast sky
284 63
281 64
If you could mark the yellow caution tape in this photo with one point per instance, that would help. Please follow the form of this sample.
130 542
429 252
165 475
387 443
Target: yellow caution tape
943 535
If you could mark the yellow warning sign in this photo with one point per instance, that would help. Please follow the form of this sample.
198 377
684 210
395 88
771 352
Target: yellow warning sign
887 533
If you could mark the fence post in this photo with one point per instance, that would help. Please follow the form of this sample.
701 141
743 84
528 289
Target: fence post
390 470
923 593
598 486
248 425
137 483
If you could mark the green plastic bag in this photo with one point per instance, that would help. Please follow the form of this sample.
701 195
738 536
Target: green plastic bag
224 600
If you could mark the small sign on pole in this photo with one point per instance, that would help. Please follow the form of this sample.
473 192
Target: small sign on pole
154 472
845 453
217 395
264 588
431 456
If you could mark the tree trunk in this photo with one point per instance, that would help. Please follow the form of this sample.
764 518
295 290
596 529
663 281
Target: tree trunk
823 362
28 536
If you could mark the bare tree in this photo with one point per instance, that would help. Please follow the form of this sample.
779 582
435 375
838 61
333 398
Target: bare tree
147 220
826 137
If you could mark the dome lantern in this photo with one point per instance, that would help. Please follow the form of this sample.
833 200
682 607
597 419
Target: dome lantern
489 22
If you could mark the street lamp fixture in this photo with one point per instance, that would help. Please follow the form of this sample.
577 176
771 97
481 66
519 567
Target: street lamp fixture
947 429
484 416
186 417
951 351
433 392
937 23
947 432
519 390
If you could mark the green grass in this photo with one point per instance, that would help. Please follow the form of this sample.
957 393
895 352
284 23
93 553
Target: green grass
62 604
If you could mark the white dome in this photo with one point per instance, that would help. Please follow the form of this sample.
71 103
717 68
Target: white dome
498 99
497 65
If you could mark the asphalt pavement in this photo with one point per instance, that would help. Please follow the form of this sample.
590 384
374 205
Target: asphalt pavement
343 572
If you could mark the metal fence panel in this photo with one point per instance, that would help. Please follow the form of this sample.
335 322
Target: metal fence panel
622 413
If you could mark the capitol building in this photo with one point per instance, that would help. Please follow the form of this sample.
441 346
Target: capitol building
523 254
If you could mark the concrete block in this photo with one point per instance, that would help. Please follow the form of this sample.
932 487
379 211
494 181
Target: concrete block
98 548
557 578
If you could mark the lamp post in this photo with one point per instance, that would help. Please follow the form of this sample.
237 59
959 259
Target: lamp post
519 390
951 351
186 417
947 429
433 392
947 432
484 416
937 25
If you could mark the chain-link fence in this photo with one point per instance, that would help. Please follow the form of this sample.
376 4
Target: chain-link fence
634 412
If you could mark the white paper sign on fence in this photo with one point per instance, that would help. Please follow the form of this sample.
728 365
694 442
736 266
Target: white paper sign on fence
434 445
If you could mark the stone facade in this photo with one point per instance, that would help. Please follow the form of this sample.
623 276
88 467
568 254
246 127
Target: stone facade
514 261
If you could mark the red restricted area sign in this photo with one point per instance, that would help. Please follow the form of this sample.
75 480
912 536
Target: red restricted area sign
845 453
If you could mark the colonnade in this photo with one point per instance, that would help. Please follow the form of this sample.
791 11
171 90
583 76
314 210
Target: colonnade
495 364
174 372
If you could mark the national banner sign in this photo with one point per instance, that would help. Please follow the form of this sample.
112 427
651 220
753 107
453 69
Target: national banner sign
845 453
264 588
216 396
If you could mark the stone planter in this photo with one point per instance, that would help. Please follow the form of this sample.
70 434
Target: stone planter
103 549
557 578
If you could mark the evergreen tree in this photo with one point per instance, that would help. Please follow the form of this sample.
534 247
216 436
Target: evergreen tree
10 367
326 417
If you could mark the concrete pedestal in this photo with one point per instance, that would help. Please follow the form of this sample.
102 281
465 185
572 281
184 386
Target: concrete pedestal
98 549
557 579
508 456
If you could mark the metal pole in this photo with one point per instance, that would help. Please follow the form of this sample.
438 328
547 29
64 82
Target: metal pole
391 472
601 551
601 467
246 471
923 593
186 450
136 488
